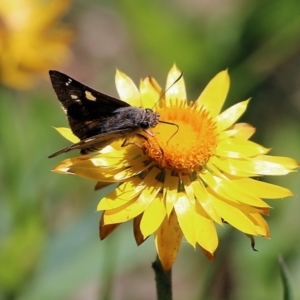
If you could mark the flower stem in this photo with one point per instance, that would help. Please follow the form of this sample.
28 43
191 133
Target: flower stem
163 281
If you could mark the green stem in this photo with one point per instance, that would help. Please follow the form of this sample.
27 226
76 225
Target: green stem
163 281
286 280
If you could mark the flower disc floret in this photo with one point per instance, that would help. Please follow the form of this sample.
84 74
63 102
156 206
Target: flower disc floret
186 146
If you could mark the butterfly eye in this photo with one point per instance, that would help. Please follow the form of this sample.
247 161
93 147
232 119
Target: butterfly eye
148 116
145 124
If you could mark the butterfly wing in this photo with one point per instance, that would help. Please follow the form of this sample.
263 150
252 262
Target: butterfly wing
94 143
85 107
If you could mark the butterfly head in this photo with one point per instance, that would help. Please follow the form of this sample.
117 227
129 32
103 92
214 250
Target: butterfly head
149 119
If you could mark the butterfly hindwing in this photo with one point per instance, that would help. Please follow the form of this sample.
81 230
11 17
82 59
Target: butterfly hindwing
94 143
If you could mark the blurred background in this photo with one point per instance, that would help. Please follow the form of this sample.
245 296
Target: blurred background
49 245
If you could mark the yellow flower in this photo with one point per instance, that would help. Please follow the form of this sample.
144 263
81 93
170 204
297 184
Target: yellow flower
31 40
176 184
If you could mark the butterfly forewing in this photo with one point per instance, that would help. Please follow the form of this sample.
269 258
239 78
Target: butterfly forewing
86 108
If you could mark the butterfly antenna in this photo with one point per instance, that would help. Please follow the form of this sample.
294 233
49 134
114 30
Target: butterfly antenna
168 88
161 96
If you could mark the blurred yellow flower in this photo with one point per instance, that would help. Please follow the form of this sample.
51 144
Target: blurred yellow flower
31 40
181 184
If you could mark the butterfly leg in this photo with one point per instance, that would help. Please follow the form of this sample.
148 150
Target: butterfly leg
148 132
126 142
152 135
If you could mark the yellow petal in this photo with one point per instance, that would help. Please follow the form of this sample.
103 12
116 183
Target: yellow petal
243 130
205 201
209 255
206 233
175 89
287 162
261 165
64 166
239 148
244 208
119 214
87 169
150 92
227 189
263 189
261 225
67 134
186 217
132 171
187 184
231 115
114 160
127 90
84 167
168 240
137 230
228 167
152 188
124 193
153 216
239 130
226 134
105 230
171 186
109 161
214 94
100 185
235 217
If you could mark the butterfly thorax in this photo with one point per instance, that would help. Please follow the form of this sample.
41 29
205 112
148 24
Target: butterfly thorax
137 117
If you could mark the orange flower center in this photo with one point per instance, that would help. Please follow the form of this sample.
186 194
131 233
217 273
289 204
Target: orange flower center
186 148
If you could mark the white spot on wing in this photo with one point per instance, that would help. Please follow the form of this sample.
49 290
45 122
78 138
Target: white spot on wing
75 98
68 82
89 140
